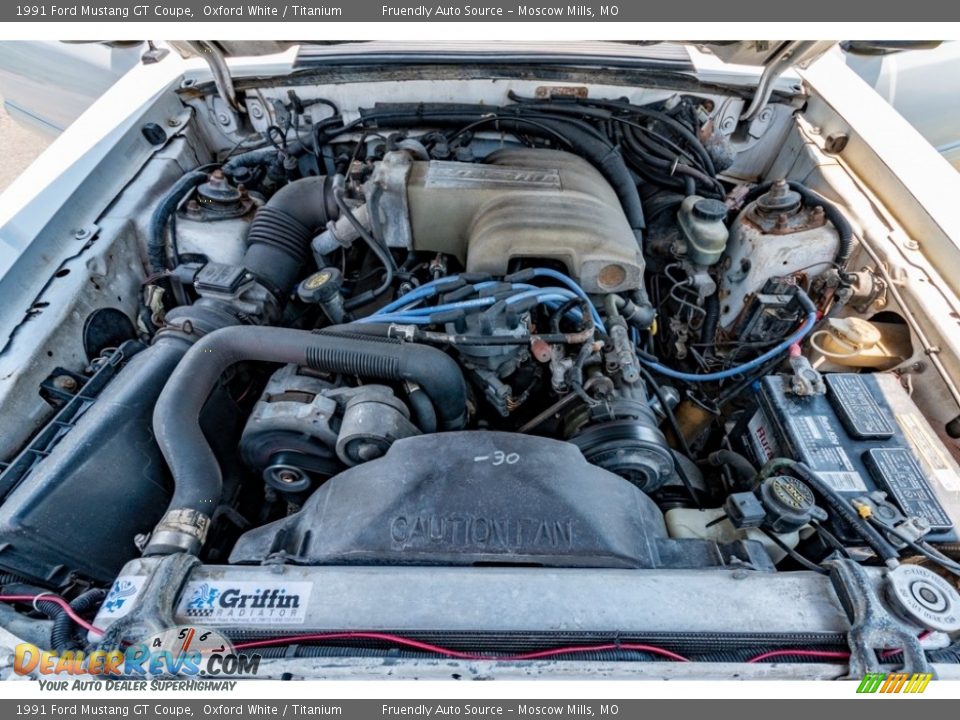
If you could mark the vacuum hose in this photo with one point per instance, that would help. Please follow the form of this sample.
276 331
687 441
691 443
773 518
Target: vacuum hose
176 419
157 241
63 634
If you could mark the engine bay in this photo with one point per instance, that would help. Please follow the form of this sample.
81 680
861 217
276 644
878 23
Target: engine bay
566 339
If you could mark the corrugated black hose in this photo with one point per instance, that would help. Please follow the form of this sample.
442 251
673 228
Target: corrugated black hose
63 635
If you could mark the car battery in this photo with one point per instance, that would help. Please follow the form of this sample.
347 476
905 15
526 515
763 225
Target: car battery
865 434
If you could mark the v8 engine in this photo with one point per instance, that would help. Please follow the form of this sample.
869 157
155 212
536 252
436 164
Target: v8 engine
560 334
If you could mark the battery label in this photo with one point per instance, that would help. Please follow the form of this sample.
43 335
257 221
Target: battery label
856 408
818 445
762 440
896 469
931 456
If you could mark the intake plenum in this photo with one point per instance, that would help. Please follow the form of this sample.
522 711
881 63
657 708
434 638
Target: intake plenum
196 472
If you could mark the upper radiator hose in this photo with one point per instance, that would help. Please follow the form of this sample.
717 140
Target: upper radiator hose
176 418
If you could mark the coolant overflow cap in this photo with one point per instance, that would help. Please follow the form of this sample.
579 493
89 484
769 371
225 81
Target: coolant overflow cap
923 597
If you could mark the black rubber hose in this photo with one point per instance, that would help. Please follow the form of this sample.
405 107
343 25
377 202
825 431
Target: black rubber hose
673 167
711 317
262 157
52 610
837 502
157 241
597 108
683 131
176 419
62 635
279 238
424 415
364 331
379 251
742 469
812 198
250 159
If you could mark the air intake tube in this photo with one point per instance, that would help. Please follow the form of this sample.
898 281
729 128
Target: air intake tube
176 418
280 234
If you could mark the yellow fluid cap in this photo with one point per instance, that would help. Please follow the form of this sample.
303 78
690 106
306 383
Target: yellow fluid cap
854 331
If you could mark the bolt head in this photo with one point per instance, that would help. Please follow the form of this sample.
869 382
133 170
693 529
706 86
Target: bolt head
65 382
288 477
369 451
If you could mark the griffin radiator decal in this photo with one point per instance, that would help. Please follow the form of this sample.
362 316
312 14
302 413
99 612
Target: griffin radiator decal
218 602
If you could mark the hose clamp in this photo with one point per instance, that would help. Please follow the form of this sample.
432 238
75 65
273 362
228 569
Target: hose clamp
180 530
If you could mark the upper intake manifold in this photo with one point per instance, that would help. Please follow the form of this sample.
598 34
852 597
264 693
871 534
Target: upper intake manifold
523 203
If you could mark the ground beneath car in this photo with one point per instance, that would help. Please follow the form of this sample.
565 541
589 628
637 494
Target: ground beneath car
18 147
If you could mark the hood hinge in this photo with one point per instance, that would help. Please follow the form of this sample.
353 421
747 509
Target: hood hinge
797 52
215 58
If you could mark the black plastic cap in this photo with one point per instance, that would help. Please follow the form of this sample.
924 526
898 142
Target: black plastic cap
320 286
707 209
